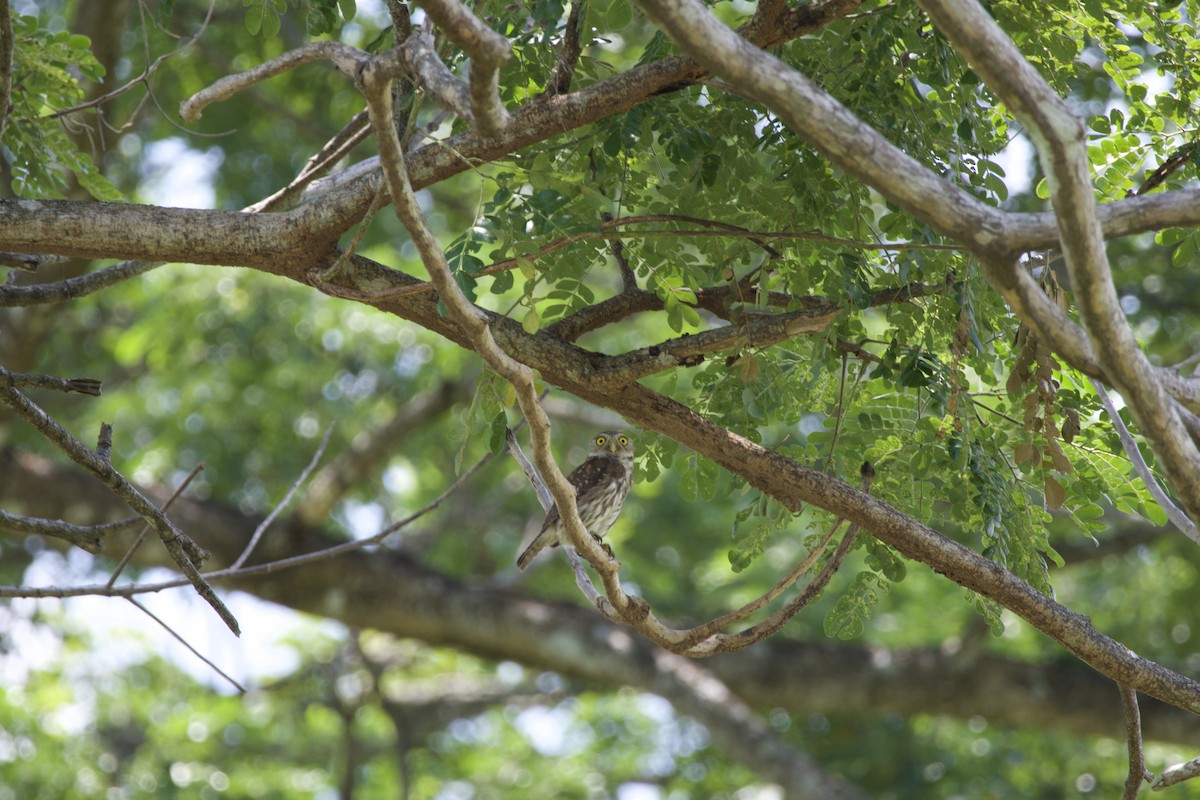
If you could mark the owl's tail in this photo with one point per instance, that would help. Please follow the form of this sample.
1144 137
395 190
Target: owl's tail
536 546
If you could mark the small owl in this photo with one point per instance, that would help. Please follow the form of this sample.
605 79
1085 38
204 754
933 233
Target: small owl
601 483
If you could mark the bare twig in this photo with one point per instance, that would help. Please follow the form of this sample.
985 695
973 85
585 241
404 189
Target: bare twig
86 537
539 486
30 262
732 642
287 498
108 590
343 56
1176 161
1177 774
1133 737
185 552
72 288
1174 513
28 380
104 443
350 136
241 689
146 530
334 269
713 626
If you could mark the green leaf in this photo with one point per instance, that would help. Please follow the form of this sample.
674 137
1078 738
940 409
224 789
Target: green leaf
620 14
499 429
847 619
254 19
502 282
270 24
530 322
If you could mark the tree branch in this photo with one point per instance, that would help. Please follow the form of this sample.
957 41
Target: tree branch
1177 774
185 552
1133 738
25 380
70 288
85 537
569 50
343 56
488 51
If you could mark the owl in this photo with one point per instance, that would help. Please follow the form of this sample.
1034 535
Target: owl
601 483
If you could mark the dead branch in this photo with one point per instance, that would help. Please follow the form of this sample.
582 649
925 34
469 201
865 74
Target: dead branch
27 380
287 498
85 537
1176 775
137 542
185 552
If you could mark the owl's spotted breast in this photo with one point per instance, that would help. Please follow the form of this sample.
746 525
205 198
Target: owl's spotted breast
601 485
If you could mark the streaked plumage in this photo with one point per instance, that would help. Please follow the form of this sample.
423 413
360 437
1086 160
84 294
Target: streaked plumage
601 484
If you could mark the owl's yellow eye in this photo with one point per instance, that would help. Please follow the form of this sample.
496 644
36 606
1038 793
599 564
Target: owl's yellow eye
624 440
600 440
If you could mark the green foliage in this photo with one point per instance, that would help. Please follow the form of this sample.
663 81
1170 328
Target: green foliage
320 16
974 429
40 154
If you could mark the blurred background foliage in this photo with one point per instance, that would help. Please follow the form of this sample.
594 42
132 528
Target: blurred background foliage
245 372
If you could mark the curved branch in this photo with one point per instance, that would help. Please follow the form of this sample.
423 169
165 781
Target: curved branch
343 56
488 51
